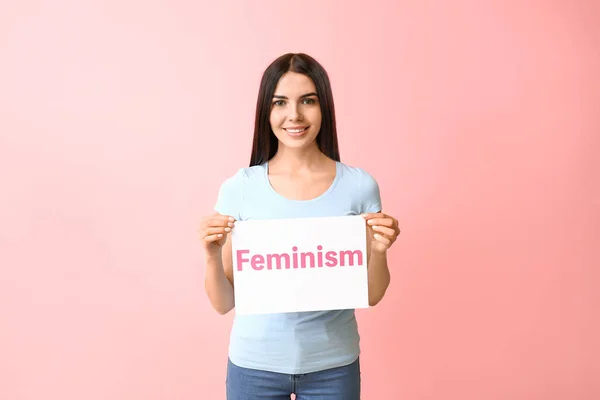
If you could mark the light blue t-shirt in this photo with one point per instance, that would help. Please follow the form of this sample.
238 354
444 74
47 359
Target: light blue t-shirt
300 342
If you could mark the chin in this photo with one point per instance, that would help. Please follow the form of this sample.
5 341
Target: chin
296 142
299 144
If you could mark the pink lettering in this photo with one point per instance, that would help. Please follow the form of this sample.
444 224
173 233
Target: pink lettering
295 256
240 260
320 256
350 253
302 260
312 259
257 261
278 257
331 260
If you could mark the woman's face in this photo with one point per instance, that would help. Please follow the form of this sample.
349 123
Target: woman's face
295 111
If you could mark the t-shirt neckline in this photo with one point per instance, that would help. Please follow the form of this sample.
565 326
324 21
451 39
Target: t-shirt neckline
319 197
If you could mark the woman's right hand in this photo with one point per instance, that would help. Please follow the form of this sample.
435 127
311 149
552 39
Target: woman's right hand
213 231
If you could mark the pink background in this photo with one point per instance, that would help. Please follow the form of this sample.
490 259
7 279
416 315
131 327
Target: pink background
479 119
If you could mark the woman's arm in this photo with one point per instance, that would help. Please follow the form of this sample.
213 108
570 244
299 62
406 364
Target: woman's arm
218 281
378 275
382 232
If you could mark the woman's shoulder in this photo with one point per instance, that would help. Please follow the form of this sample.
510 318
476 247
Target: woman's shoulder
244 174
364 186
231 192
358 173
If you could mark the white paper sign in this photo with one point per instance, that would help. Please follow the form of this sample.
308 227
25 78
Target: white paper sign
303 264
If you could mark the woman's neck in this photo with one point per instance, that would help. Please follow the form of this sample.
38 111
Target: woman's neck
288 160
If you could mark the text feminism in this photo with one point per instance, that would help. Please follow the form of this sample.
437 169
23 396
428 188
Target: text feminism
294 260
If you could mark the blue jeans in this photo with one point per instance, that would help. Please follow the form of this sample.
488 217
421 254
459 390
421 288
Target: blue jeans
341 383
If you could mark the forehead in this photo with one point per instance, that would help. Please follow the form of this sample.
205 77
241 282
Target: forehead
294 84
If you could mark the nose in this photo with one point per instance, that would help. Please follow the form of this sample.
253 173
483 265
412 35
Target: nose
295 114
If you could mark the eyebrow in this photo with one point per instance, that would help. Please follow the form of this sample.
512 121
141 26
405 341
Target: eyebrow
275 96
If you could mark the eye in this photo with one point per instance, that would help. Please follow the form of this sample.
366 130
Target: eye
308 100
278 102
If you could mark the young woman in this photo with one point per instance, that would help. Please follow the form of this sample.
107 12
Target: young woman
295 171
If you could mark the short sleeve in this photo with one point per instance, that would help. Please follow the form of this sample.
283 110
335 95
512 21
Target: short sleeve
230 196
371 198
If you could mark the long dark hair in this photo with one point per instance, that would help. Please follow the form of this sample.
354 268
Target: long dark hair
264 145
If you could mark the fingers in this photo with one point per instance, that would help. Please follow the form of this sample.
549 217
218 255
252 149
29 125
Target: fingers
218 223
369 216
213 238
385 235
212 234
382 239
218 220
385 230
216 226
386 221
216 230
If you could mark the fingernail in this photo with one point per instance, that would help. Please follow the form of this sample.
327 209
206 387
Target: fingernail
220 235
377 236
227 229
231 219
375 227
230 224
370 222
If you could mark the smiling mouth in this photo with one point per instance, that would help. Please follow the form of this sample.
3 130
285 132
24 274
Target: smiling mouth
295 131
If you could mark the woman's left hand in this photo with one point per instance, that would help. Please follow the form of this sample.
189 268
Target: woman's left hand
382 230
